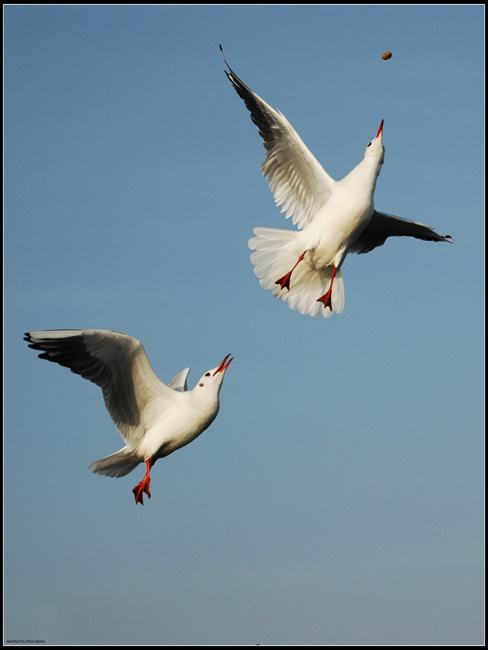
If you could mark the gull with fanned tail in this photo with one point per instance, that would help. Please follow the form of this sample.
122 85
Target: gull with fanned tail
334 218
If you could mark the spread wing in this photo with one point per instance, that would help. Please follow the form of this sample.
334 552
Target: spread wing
382 226
298 181
115 362
179 382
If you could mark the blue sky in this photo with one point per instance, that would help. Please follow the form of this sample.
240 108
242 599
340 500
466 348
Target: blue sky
338 497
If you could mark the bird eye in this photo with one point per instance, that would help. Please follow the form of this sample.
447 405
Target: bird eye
368 145
207 374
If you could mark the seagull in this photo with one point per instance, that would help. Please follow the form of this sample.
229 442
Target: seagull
154 419
334 218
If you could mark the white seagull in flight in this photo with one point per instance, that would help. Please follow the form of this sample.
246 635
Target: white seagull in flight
153 418
334 218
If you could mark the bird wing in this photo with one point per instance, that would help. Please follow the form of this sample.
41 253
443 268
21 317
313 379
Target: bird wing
179 382
114 361
298 181
381 226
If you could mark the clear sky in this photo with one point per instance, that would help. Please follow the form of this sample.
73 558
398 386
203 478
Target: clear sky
338 497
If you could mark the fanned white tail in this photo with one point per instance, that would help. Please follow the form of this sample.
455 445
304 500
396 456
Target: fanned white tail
276 253
116 465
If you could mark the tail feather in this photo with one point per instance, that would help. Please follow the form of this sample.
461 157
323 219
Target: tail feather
275 253
116 465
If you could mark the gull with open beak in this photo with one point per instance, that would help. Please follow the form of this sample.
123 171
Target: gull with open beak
334 218
153 418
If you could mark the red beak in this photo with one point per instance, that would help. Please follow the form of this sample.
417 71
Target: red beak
380 130
223 366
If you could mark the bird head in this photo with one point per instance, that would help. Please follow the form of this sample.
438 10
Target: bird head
375 148
215 377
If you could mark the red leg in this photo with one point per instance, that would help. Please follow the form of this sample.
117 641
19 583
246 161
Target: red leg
284 282
326 299
143 486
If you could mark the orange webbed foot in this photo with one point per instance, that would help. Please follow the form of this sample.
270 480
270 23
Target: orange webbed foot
284 281
143 486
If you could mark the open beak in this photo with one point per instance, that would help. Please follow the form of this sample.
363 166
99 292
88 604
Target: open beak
380 130
223 365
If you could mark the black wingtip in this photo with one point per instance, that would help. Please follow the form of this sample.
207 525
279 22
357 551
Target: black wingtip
222 53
